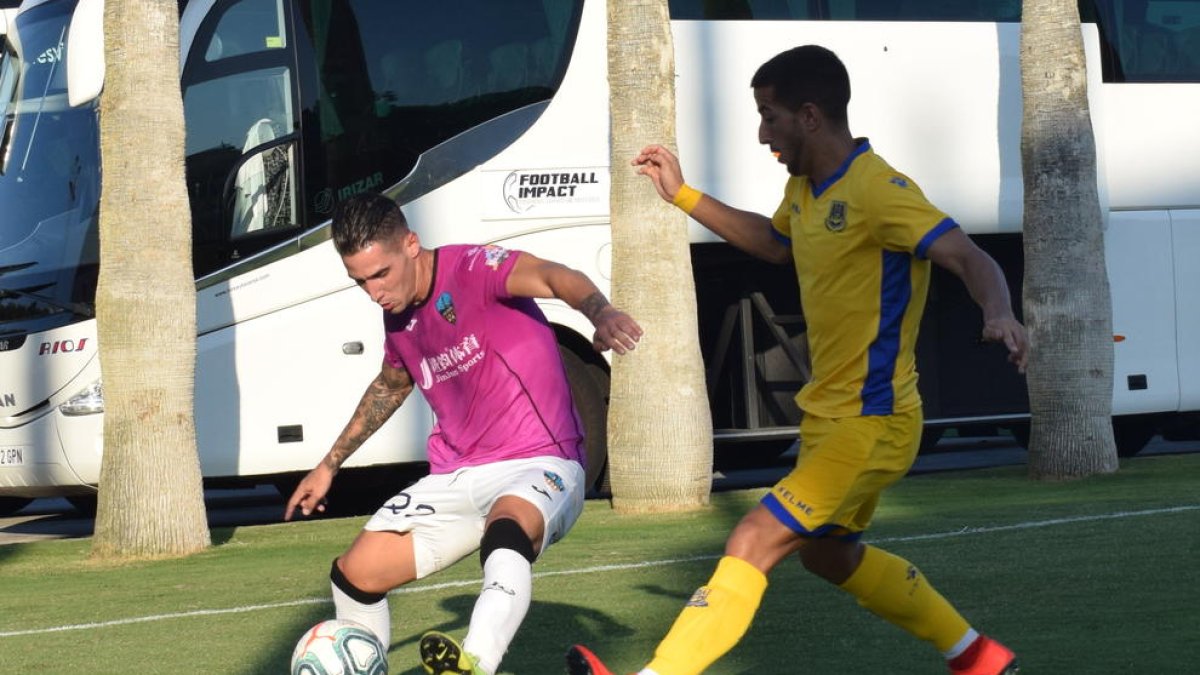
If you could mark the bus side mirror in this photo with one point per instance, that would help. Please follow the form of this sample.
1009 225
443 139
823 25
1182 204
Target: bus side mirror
85 52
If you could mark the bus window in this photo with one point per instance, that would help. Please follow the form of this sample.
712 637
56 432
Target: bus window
239 105
247 27
386 84
8 90
1156 40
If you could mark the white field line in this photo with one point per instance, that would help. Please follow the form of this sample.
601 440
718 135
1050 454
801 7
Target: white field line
591 570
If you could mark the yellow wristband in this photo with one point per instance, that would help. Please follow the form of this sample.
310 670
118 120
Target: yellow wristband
687 198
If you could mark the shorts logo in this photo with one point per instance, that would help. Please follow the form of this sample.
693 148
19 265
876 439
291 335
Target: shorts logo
793 500
445 307
699 598
836 220
554 481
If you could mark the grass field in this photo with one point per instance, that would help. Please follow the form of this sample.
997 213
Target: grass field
1095 576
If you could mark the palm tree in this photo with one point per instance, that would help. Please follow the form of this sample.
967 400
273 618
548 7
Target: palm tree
660 426
151 501
1066 294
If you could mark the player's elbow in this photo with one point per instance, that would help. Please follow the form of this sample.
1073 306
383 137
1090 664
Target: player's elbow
776 252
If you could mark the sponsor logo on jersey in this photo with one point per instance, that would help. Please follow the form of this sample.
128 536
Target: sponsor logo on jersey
795 208
451 362
426 374
445 307
836 220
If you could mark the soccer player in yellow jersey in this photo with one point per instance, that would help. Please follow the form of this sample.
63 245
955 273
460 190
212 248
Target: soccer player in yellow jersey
862 237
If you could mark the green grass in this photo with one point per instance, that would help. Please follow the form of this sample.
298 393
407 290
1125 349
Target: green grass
1098 594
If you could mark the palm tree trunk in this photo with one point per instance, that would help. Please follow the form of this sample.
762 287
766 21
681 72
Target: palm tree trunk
1067 304
151 502
660 426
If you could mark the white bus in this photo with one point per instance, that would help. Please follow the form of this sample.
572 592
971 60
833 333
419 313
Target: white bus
489 122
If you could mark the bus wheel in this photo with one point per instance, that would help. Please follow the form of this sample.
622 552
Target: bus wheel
84 504
589 388
1132 433
10 505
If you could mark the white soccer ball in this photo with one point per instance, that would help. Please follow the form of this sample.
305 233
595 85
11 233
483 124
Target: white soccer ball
337 647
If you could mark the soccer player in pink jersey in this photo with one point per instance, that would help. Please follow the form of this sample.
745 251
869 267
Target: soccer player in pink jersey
506 454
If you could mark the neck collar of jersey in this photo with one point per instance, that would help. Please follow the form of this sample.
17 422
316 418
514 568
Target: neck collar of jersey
863 146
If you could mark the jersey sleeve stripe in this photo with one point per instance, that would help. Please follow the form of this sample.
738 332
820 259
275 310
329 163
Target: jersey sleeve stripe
941 228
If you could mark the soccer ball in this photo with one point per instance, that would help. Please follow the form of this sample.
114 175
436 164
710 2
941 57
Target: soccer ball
337 647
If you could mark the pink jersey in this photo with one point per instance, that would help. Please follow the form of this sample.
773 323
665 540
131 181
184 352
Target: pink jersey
486 362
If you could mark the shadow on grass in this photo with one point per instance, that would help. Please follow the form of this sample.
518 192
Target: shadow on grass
277 657
548 630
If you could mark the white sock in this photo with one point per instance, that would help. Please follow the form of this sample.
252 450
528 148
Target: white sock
961 645
374 616
502 604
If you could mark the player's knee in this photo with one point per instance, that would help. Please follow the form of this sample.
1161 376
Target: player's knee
831 559
339 580
505 533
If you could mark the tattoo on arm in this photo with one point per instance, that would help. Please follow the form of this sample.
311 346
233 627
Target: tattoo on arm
592 305
383 396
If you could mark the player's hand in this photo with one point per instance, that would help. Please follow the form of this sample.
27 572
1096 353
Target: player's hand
661 166
1011 333
310 494
615 330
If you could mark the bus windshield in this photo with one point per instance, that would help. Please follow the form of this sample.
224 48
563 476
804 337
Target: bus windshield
49 180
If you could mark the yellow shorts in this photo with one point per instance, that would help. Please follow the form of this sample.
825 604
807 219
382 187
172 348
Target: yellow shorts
843 467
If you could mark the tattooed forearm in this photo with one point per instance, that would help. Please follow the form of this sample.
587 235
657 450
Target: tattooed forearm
384 395
592 305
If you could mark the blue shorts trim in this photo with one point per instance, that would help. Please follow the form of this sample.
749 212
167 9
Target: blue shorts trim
831 531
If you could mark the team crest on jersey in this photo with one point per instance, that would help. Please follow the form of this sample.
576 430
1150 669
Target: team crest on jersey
445 307
553 481
836 220
494 255
898 181
795 208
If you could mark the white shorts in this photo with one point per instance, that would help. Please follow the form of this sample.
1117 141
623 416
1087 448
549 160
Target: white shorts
446 512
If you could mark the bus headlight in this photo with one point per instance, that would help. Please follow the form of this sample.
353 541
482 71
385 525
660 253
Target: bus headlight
87 402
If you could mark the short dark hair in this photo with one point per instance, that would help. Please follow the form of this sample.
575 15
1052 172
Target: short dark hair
363 219
807 74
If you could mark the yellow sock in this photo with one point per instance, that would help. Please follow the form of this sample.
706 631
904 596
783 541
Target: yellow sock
895 589
714 620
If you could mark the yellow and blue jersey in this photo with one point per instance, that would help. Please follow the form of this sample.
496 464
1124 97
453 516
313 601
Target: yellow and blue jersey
859 241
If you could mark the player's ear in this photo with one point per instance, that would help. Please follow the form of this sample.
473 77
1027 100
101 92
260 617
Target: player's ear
410 243
810 116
